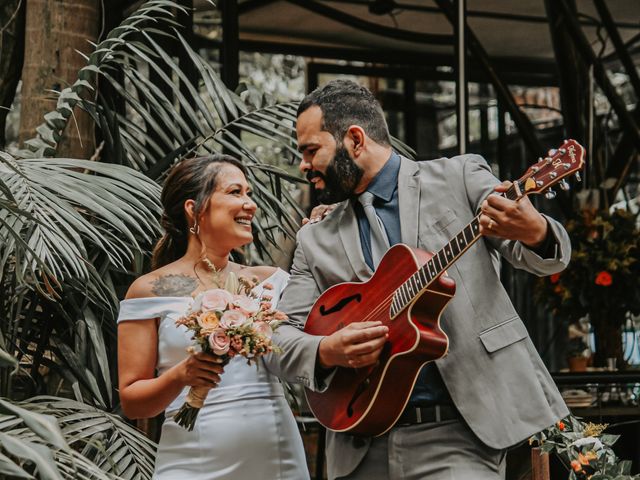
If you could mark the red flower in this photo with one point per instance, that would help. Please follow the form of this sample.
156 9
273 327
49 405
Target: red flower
555 278
604 279
561 426
575 464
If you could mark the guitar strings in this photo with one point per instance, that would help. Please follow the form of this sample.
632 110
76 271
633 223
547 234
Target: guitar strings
389 298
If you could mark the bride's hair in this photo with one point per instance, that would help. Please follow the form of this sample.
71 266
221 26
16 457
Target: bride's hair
191 179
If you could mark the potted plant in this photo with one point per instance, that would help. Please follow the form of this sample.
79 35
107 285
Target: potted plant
602 279
578 354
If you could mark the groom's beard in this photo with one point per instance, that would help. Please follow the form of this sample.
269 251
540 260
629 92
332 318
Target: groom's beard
340 179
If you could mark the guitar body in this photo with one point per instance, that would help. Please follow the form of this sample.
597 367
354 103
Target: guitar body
368 401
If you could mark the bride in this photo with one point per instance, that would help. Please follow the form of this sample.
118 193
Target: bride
245 430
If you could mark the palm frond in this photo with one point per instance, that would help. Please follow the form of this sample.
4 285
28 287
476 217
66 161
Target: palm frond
75 206
104 439
56 438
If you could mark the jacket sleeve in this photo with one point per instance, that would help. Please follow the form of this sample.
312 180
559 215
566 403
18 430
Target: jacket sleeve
297 362
479 183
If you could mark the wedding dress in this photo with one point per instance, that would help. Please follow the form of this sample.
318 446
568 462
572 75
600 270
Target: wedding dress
245 430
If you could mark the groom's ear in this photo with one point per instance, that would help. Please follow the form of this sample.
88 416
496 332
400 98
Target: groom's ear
356 139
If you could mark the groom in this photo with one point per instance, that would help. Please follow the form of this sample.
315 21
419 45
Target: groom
492 390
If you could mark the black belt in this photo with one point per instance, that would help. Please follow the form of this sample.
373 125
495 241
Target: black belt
435 413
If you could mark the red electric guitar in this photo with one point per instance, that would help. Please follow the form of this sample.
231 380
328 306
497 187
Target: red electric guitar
408 294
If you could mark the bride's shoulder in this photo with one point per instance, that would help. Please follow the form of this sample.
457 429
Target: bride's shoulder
166 281
262 272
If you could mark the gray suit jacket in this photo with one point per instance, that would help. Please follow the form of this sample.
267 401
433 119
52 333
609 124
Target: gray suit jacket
492 371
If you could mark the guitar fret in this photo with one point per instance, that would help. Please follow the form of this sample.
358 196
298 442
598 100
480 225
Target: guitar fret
462 242
447 253
468 234
423 277
405 295
432 269
439 263
418 281
454 248
475 227
415 285
410 292
443 260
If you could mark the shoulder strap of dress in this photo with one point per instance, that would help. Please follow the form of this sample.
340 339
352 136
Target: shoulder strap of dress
151 307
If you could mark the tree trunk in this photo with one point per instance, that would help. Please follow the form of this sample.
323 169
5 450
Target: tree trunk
55 29
11 56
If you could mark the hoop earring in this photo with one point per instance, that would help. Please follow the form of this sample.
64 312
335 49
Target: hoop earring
195 230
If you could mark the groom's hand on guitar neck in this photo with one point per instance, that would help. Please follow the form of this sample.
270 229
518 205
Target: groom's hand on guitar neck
512 219
357 345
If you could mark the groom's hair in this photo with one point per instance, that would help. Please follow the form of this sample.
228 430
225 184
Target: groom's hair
190 179
345 103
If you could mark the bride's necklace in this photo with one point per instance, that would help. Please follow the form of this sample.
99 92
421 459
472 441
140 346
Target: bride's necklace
217 274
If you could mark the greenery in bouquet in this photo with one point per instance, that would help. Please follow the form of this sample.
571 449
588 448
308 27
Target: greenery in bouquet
602 278
585 450
228 322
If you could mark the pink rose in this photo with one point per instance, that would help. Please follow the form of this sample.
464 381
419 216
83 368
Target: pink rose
219 342
263 328
246 305
216 299
237 343
232 319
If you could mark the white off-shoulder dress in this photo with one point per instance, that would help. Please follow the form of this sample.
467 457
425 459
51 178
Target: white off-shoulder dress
245 430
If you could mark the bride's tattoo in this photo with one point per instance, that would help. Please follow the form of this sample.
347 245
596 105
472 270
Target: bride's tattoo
174 286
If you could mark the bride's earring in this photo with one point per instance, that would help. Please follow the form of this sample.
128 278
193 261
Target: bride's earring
195 230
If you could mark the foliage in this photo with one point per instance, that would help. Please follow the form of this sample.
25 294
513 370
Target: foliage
584 450
603 277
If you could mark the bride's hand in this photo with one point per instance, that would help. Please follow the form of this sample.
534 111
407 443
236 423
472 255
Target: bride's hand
200 370
318 213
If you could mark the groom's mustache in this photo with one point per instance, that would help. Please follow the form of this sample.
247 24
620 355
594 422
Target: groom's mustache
311 174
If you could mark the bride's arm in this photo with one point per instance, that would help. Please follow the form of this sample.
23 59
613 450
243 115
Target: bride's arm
142 394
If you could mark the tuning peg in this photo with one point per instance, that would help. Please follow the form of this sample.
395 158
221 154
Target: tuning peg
551 194
552 152
564 185
578 177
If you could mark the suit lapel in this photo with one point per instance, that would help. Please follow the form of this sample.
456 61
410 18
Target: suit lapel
409 200
350 237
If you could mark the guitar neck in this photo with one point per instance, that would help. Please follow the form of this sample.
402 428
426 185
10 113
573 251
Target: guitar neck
443 259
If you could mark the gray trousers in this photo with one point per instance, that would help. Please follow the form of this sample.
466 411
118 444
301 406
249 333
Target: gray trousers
433 451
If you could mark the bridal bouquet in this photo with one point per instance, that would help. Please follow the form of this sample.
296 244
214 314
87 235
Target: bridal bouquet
227 322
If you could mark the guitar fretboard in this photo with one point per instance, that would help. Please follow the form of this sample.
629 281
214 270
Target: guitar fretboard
442 260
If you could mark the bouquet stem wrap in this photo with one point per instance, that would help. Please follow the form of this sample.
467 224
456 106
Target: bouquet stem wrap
186 416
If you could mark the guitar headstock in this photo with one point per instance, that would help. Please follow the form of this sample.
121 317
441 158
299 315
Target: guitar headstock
567 160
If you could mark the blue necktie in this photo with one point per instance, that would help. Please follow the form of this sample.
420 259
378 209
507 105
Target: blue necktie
379 240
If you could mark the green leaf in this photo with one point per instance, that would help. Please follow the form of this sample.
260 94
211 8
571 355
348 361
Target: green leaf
44 426
38 454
